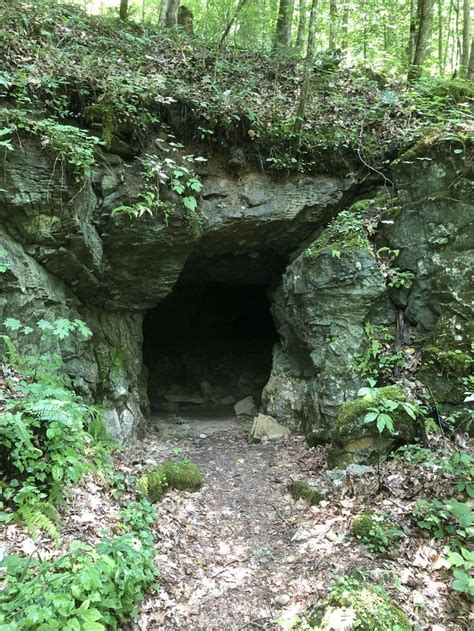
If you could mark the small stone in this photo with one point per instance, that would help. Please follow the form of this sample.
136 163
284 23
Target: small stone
202 435
282 599
301 505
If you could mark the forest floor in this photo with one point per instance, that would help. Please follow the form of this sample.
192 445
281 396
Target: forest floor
241 553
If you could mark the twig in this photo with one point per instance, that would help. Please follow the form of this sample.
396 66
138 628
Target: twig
282 517
227 565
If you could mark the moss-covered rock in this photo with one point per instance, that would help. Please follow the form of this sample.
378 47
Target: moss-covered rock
362 607
301 490
356 440
182 476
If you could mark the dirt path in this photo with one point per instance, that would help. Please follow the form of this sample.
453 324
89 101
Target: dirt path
232 556
242 554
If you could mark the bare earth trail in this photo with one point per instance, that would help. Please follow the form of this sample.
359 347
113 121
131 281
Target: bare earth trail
242 554
234 555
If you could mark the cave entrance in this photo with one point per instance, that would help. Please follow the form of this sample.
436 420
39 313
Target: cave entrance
208 345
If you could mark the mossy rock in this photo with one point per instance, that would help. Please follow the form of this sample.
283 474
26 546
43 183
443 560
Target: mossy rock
182 476
345 232
366 608
354 440
300 490
363 524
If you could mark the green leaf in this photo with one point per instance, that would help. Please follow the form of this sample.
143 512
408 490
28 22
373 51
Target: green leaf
190 203
12 324
370 417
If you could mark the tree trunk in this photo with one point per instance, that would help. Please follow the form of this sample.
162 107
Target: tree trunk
284 21
466 37
470 68
424 22
172 13
308 65
241 4
440 36
345 27
123 11
164 11
332 24
412 34
301 25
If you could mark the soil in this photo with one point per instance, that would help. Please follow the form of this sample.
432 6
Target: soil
242 554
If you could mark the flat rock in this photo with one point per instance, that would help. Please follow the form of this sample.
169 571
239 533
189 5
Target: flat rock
245 407
265 426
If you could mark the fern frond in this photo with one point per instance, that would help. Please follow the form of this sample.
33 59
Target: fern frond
35 519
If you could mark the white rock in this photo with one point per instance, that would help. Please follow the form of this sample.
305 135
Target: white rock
282 599
265 426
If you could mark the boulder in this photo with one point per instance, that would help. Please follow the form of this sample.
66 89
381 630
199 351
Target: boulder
265 427
245 407
359 442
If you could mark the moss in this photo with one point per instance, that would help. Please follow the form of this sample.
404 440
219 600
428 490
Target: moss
183 476
453 362
370 607
301 490
345 232
363 524
353 410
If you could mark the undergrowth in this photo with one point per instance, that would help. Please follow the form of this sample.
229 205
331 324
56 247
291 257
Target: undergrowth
123 79
89 589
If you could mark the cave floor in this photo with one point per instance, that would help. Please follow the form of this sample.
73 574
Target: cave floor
241 553
196 422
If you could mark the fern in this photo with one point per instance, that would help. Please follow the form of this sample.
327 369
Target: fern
39 517
14 357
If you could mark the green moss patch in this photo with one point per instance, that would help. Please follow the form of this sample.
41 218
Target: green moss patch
183 476
353 410
376 531
369 608
301 490
345 232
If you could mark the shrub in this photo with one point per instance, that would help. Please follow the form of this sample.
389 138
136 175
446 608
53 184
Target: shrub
42 439
89 588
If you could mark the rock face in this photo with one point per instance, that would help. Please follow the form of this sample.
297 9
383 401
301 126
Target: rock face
321 309
65 254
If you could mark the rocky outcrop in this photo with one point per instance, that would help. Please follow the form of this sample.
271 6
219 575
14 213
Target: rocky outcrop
325 299
66 254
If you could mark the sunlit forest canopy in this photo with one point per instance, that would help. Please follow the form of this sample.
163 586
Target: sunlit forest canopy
375 32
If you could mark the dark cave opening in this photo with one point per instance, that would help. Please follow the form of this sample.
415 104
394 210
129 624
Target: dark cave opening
208 344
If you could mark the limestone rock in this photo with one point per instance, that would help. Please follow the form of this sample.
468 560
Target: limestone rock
265 427
245 407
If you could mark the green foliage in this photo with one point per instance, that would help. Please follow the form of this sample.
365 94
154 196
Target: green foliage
369 607
383 413
70 145
121 78
89 589
42 439
183 476
376 531
387 407
177 176
445 518
345 232
378 360
300 490
462 563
